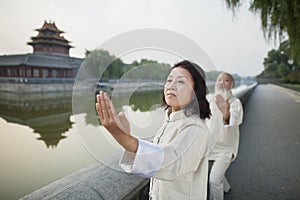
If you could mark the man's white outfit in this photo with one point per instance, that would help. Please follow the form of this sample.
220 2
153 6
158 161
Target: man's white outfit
176 161
225 149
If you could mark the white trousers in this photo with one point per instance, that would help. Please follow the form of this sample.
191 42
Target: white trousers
218 183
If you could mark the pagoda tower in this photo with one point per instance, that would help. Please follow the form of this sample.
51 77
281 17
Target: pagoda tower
49 40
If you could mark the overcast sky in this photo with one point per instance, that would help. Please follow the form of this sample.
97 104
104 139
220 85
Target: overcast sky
234 43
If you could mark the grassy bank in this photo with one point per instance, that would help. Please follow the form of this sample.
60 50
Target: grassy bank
295 87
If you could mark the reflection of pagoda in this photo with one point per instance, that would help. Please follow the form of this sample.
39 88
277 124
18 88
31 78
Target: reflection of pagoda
47 114
52 128
49 64
49 40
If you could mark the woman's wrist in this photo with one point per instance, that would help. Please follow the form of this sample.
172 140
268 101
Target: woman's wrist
129 142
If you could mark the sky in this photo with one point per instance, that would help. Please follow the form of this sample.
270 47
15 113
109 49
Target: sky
234 43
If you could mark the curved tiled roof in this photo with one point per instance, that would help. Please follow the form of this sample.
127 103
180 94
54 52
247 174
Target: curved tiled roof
50 41
49 26
41 60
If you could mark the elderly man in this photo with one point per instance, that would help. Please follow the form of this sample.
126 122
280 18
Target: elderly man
226 145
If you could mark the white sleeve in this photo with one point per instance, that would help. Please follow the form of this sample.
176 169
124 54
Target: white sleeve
146 161
236 113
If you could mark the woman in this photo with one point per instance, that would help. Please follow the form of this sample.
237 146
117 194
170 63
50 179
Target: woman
226 148
176 161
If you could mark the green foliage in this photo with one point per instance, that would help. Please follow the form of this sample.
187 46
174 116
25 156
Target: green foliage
278 18
115 70
279 65
97 61
295 87
100 63
293 78
147 69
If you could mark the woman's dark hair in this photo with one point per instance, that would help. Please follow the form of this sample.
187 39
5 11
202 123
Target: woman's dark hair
198 105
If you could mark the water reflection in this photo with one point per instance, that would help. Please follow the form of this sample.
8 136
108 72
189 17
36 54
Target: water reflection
47 114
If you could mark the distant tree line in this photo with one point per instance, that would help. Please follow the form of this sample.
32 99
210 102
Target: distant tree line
100 62
279 66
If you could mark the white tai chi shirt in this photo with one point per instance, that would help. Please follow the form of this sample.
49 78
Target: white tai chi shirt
228 135
176 160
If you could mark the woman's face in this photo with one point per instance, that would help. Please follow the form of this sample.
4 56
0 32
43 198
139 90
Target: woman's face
178 89
224 81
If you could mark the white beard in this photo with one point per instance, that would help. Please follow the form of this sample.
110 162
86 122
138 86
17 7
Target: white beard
221 90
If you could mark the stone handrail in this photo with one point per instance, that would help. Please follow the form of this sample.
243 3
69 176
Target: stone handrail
94 182
244 95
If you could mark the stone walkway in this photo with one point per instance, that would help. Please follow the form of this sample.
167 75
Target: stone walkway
268 163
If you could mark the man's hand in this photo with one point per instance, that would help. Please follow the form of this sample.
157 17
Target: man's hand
224 106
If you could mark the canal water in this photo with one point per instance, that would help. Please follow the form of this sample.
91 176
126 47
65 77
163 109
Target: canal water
40 143
42 140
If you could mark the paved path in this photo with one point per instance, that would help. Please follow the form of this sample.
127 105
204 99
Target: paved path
268 163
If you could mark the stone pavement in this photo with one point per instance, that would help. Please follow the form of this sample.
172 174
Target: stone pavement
268 162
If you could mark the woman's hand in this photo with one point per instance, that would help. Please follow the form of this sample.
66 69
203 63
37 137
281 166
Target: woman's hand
224 106
124 122
108 117
117 125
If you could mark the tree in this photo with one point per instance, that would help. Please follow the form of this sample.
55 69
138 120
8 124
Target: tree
147 69
100 64
278 17
278 64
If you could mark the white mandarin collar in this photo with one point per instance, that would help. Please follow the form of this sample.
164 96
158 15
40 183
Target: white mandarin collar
173 116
